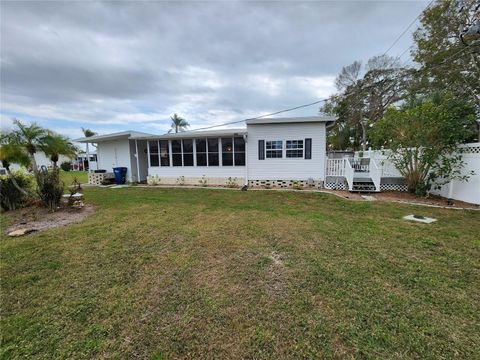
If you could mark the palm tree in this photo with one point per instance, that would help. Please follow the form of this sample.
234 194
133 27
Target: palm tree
178 123
30 138
88 132
11 153
55 145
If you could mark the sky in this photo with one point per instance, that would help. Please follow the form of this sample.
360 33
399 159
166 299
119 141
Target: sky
128 65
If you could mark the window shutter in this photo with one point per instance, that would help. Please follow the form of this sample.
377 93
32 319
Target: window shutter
261 149
308 148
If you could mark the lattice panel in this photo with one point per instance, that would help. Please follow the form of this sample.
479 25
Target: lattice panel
336 185
393 187
472 150
285 184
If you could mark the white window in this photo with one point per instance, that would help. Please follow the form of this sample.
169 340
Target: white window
274 149
294 149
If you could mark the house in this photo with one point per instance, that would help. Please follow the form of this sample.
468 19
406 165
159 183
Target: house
275 152
42 160
269 151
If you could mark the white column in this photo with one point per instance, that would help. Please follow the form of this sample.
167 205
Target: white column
138 162
88 159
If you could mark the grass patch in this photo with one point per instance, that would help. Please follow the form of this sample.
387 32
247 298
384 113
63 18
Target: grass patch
68 176
199 273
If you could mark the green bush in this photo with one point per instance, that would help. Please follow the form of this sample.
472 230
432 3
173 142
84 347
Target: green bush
15 190
66 166
50 188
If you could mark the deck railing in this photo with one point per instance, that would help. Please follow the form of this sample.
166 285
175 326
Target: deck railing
349 174
335 167
375 174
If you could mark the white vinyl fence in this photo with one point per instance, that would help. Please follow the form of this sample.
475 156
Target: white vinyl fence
468 191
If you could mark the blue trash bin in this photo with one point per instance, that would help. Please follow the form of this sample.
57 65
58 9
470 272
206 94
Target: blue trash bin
120 175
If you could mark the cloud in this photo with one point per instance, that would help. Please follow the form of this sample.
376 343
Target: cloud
120 65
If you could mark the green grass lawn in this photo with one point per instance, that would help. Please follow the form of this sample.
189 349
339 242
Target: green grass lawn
198 273
68 176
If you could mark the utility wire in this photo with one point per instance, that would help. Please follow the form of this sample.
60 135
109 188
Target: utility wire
318 101
408 27
262 116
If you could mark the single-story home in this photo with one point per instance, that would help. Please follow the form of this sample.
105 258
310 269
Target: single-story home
272 151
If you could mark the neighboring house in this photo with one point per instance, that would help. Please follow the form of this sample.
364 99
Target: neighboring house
276 151
82 161
42 160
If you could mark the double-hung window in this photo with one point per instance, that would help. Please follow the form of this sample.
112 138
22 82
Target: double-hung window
294 149
274 149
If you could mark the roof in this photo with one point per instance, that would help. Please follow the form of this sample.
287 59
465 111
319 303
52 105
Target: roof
113 136
290 120
196 134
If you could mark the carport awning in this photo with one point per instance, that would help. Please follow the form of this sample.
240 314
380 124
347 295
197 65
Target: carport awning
113 136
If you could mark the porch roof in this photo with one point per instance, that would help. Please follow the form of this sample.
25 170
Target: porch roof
191 134
129 134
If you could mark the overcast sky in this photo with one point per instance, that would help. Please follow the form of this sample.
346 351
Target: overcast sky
113 66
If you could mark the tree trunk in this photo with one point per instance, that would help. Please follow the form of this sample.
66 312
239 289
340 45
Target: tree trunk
34 162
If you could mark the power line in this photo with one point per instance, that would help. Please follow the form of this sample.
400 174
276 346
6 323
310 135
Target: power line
262 116
408 27
321 100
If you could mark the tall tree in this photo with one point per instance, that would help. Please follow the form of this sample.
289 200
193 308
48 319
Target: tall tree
178 123
446 62
423 139
88 132
364 95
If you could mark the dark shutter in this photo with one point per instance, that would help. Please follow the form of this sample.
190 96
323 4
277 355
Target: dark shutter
308 148
261 149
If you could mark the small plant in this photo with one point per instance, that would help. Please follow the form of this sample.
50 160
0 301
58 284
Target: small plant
231 182
153 180
203 181
297 185
180 180
74 190
66 166
15 190
50 188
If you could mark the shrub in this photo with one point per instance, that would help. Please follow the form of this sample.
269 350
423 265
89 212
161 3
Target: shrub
66 166
180 180
231 182
50 188
203 181
15 190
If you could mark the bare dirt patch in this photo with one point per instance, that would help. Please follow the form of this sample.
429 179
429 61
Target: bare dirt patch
38 219
405 197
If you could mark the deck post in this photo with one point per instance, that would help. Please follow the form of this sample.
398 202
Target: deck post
88 158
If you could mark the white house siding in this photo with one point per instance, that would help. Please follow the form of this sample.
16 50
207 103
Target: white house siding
114 153
287 168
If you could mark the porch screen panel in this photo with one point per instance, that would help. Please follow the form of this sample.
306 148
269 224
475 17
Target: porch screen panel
213 152
187 152
227 152
201 149
164 153
154 153
239 151
176 153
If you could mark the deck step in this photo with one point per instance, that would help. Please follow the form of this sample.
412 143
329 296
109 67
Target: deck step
363 185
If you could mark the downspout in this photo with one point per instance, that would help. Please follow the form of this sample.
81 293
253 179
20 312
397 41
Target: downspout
245 138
